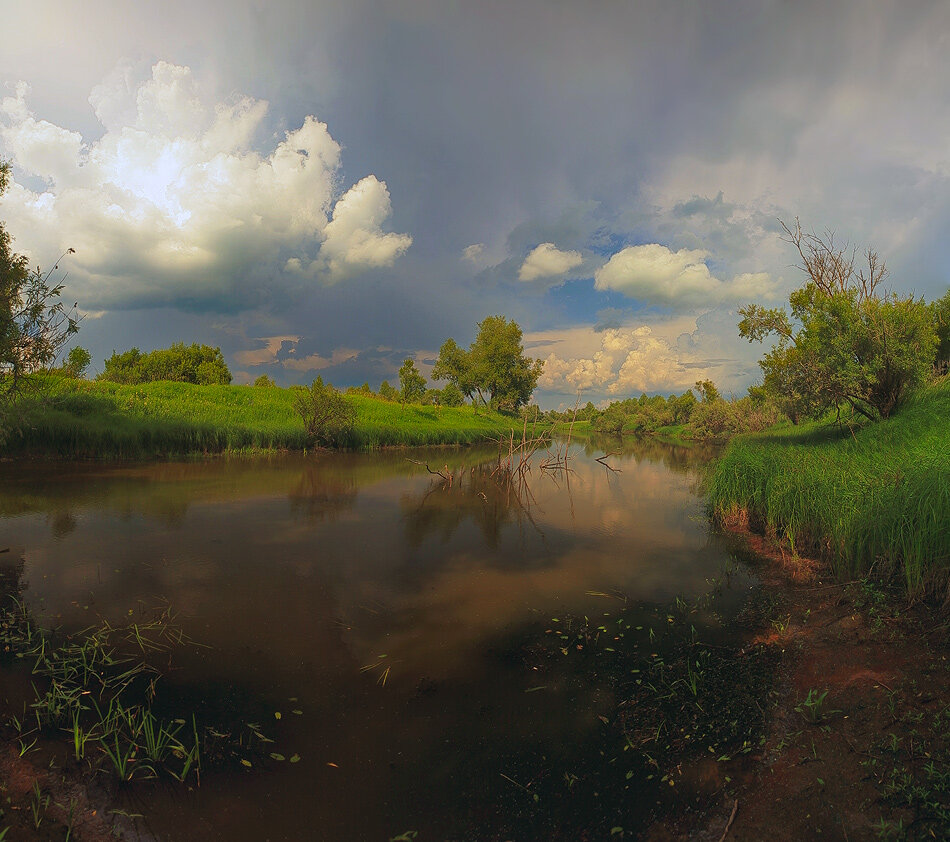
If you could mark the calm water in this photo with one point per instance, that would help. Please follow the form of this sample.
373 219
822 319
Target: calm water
299 571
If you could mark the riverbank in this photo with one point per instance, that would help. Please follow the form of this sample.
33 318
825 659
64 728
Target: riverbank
867 499
857 745
80 418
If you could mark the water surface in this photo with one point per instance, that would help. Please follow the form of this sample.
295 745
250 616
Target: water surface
384 603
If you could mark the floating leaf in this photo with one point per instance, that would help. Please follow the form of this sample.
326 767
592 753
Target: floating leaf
276 714
277 756
245 762
295 758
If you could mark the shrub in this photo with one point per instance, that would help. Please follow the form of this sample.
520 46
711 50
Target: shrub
327 415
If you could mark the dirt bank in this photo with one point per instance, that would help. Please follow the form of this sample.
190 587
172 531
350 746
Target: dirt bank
858 745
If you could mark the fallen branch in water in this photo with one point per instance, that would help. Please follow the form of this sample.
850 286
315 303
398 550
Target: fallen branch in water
602 461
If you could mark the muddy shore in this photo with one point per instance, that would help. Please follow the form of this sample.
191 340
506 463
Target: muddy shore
871 759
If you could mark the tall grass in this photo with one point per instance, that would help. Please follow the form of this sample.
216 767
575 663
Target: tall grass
82 418
873 499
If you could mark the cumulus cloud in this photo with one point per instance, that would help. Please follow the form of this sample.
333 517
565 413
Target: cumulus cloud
628 361
654 274
172 204
667 356
547 261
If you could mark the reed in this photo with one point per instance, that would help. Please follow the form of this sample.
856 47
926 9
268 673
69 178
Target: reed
869 500
79 418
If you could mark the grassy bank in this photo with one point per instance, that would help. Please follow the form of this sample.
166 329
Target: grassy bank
82 418
874 499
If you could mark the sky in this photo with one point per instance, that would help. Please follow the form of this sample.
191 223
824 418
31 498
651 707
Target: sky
329 187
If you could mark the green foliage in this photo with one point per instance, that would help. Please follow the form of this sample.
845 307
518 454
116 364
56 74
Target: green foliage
941 318
843 344
76 362
454 365
99 418
711 418
264 382
681 408
200 364
388 392
708 393
451 395
877 495
412 384
34 324
327 415
494 368
360 390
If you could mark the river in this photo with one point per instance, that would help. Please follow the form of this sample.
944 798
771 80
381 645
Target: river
368 615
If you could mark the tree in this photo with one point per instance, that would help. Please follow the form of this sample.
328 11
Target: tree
451 395
77 361
388 392
412 385
34 323
326 414
181 363
682 407
494 368
845 343
264 382
708 393
454 364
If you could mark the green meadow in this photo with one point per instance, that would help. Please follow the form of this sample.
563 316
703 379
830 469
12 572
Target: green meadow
873 499
80 418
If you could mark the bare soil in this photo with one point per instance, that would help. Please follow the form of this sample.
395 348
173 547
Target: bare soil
872 760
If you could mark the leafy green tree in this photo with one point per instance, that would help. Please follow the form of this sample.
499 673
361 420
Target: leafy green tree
181 363
681 407
843 344
326 414
451 395
388 392
708 393
455 365
76 362
494 368
412 384
264 382
34 323
614 419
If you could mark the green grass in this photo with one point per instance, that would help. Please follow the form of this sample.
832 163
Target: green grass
875 499
82 418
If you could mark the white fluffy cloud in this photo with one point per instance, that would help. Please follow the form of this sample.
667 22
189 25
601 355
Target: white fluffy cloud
669 355
629 361
547 261
172 203
654 274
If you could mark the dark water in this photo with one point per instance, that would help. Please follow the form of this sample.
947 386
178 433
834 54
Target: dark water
309 576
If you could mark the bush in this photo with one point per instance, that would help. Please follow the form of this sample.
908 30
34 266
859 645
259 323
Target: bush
77 361
181 363
327 415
